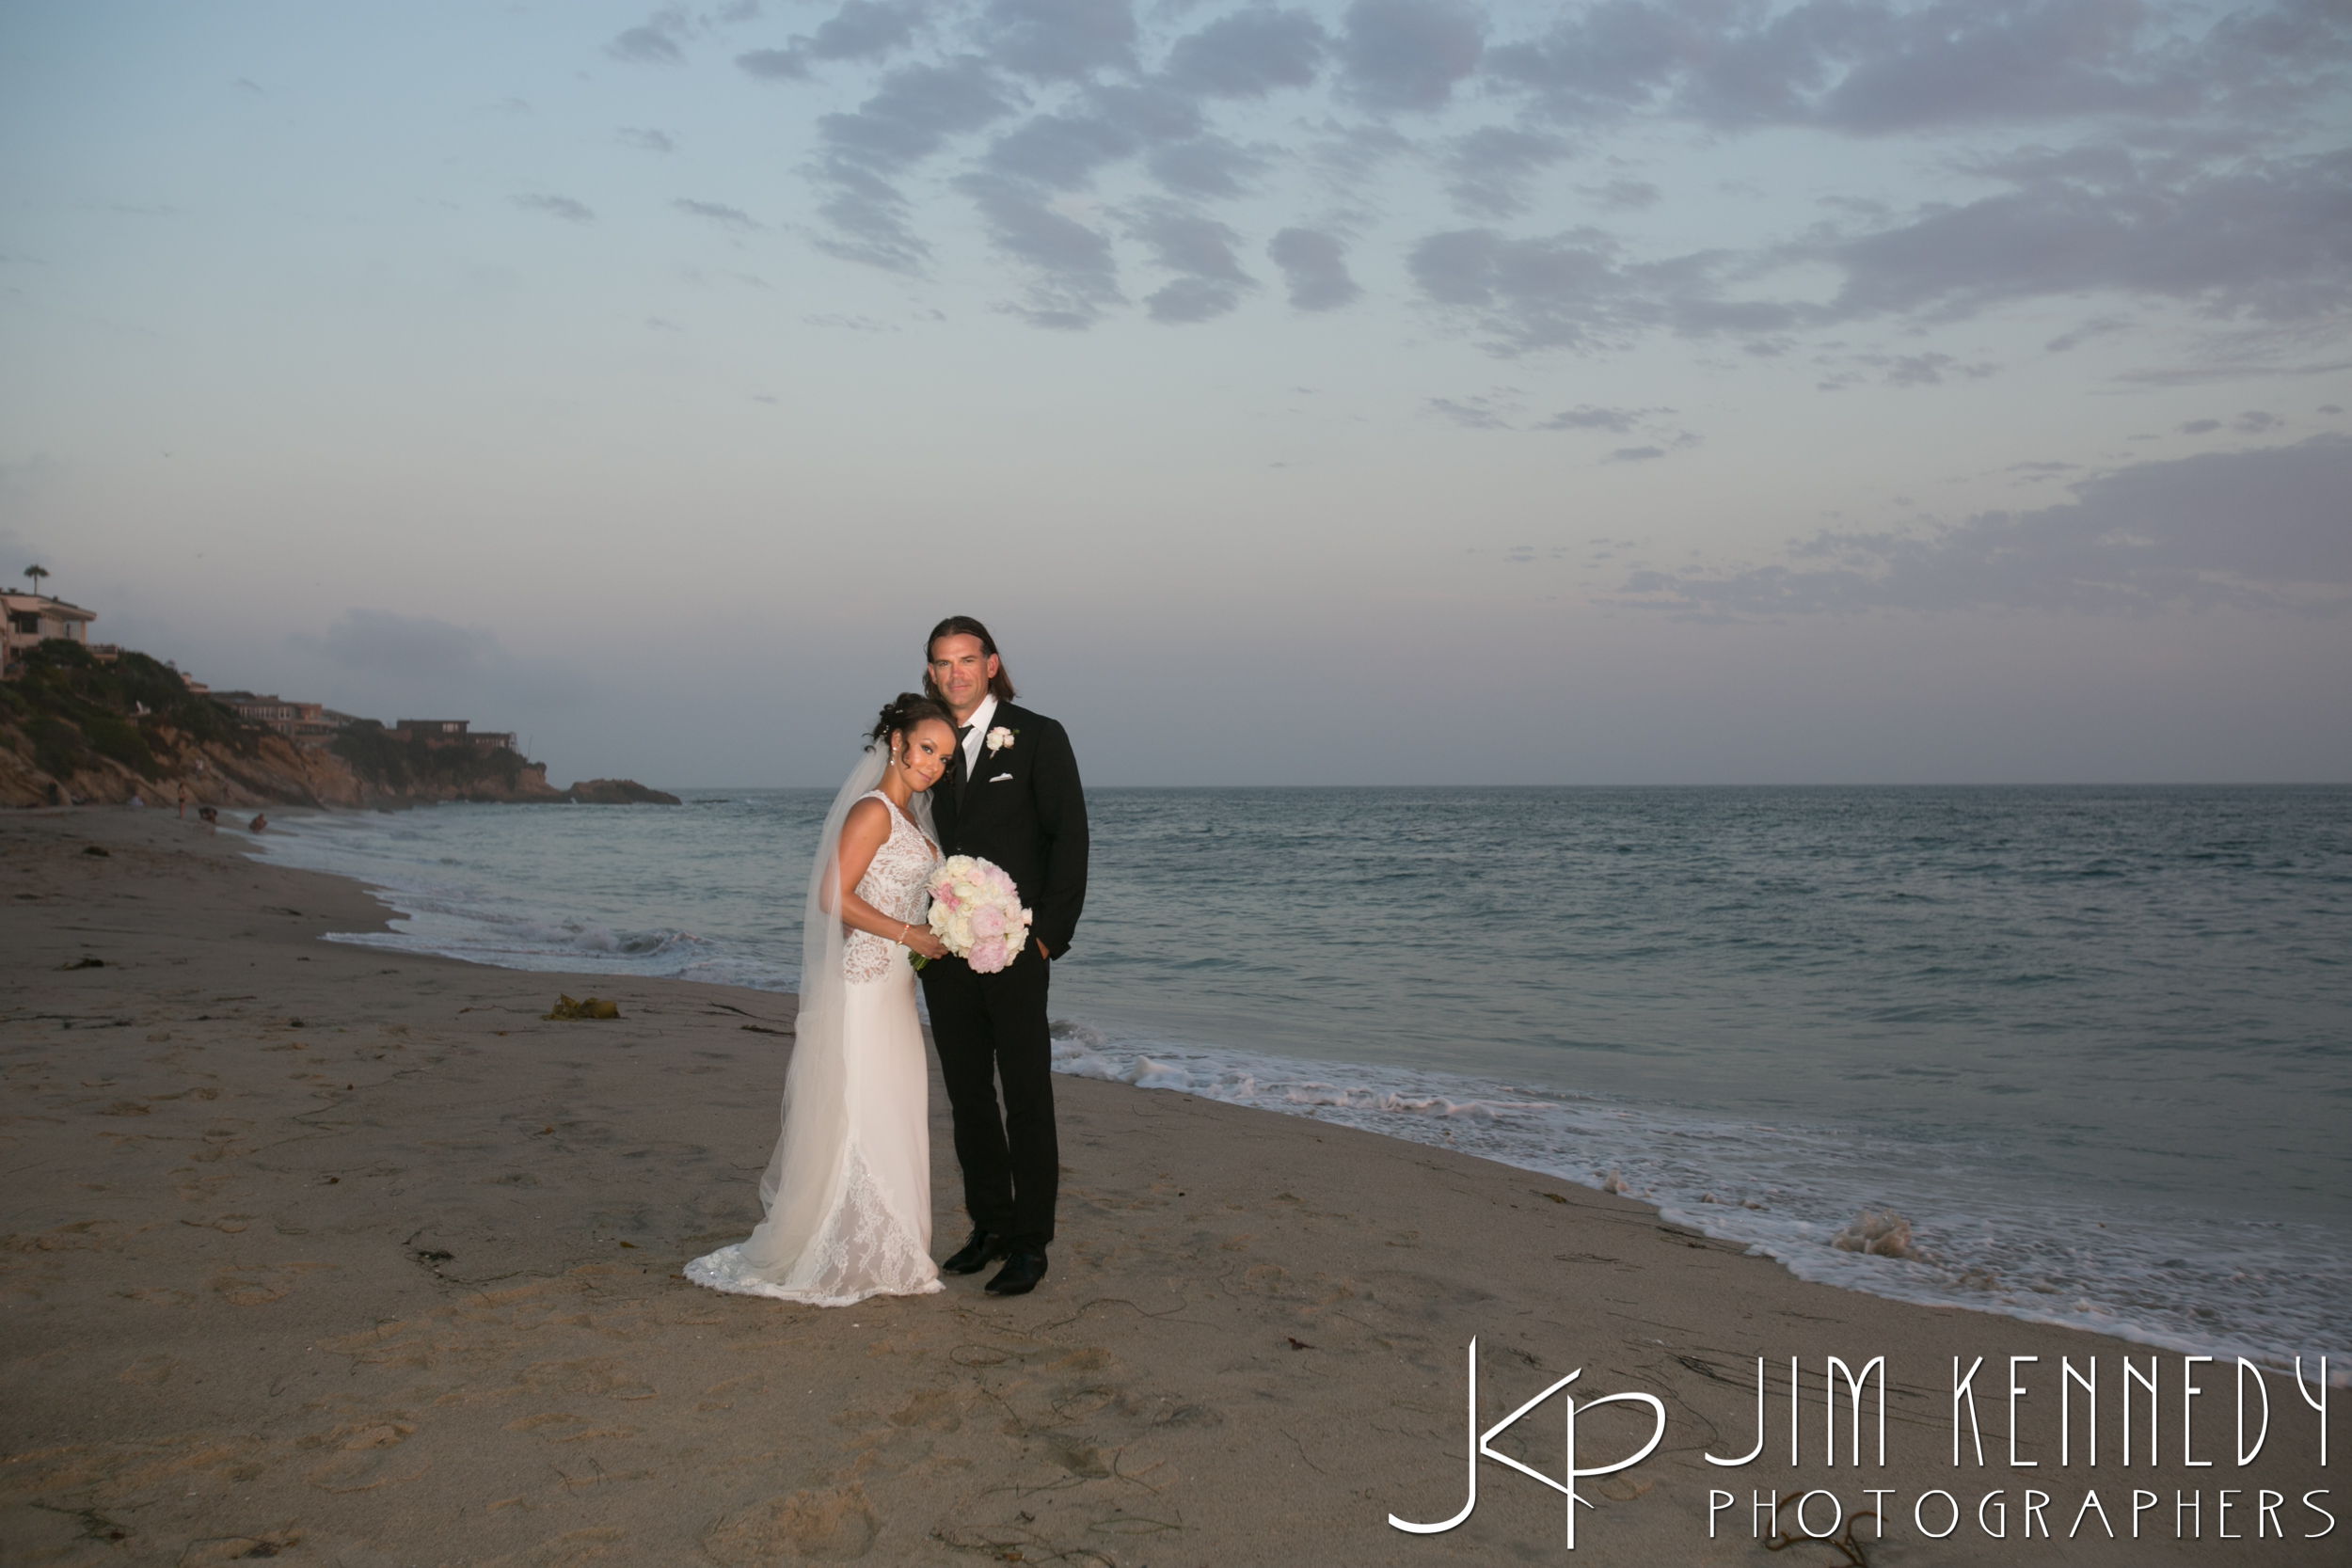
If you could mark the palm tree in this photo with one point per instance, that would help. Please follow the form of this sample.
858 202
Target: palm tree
37 573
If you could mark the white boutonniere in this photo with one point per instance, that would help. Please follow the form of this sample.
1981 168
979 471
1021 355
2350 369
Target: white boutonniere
998 738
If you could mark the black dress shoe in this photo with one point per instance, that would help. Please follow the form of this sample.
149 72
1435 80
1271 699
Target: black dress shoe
1020 1275
975 1254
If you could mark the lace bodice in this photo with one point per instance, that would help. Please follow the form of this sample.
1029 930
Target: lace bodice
895 883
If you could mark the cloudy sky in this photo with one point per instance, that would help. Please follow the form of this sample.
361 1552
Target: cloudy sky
1396 391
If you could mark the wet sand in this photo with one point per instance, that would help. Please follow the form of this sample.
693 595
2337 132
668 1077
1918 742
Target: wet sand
326 1253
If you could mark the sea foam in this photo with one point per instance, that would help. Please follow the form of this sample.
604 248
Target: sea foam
1914 1223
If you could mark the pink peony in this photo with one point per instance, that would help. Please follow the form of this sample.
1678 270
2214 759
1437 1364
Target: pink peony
988 921
989 956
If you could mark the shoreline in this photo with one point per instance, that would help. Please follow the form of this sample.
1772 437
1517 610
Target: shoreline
2188 1271
354 1256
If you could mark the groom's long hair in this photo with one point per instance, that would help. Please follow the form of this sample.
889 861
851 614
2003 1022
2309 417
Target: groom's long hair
999 685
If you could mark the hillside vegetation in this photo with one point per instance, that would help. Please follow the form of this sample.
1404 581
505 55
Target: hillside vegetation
74 729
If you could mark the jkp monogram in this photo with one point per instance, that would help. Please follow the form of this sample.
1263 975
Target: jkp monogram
1480 1443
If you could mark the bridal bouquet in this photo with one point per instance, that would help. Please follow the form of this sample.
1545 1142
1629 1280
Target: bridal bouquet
976 910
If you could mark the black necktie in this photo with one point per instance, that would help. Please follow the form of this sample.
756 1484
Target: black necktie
962 771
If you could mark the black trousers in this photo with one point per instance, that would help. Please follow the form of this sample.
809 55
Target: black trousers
991 1030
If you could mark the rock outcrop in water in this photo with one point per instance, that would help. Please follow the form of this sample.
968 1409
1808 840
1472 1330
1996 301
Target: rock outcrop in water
617 792
76 730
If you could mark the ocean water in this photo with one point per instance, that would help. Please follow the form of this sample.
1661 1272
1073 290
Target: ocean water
2093 1045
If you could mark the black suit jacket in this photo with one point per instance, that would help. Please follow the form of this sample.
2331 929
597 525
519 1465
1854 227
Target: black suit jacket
1023 808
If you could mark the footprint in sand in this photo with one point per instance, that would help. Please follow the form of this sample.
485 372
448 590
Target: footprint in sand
572 1549
160 1295
833 1526
240 1548
258 1287
602 1374
365 1456
557 1426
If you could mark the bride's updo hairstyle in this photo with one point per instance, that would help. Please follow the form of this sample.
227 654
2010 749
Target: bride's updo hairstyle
902 713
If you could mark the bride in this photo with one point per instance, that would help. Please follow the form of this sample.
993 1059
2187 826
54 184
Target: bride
847 1191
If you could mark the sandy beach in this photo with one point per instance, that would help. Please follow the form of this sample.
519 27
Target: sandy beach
319 1253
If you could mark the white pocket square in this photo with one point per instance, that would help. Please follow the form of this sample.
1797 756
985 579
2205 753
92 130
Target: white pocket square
1000 778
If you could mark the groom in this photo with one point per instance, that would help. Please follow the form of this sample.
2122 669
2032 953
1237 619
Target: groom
1010 796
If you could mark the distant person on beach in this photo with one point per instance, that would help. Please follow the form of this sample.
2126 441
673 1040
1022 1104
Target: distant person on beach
1011 796
183 787
207 815
259 822
847 1191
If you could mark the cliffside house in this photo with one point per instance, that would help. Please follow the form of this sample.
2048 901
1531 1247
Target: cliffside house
455 731
32 619
311 724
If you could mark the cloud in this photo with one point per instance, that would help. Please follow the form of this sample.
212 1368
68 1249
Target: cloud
730 218
774 65
1874 67
1408 55
1201 250
1073 278
1472 413
1497 410
654 41
1057 40
650 141
557 206
1927 370
1623 196
2270 240
400 664
2266 238
1149 110
1314 265
2201 427
1615 420
1571 291
1489 169
1634 454
2098 327
1062 151
2166 177
2262 529
2008 60
419 647
645 45
1249 54
860 30
1206 166
913 112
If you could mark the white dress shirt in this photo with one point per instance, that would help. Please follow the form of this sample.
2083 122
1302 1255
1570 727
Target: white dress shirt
981 717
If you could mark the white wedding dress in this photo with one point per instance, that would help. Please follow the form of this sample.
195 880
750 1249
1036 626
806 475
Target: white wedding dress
847 1191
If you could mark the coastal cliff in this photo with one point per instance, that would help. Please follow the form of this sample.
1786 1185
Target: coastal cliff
74 729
